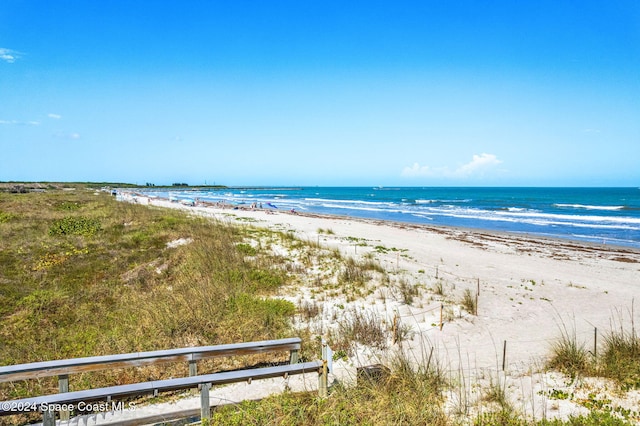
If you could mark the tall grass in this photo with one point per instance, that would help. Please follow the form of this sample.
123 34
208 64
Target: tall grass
361 326
568 355
619 359
104 281
469 302
410 395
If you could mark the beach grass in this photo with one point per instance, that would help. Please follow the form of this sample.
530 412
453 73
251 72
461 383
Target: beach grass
619 359
85 275
408 394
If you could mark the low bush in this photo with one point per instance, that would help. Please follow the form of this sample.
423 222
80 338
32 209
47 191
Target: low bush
72 225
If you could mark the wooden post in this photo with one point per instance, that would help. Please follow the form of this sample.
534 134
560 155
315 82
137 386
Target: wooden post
193 368
63 386
395 328
595 342
323 381
441 309
436 272
476 307
504 355
205 408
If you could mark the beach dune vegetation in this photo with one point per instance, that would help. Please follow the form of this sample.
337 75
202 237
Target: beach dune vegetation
83 274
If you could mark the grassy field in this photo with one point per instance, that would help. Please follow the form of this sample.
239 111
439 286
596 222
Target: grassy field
82 274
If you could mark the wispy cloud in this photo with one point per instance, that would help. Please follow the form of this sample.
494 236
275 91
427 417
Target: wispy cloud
54 116
478 165
20 123
66 135
9 55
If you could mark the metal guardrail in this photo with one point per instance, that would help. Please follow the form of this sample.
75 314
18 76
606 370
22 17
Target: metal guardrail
63 401
49 404
192 355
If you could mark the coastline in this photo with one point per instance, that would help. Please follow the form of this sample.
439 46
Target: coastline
530 290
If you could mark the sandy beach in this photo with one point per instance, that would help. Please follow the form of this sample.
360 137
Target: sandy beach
529 291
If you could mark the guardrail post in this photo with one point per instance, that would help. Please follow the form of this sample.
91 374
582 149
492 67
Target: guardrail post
193 367
293 356
63 386
205 408
49 418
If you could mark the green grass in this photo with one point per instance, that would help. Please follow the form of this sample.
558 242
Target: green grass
619 357
103 282
84 275
568 355
371 402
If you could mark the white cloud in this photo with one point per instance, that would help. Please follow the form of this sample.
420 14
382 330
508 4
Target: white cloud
61 134
54 116
8 55
478 165
416 170
20 123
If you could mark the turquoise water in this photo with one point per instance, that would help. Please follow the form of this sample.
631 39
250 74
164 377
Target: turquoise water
601 215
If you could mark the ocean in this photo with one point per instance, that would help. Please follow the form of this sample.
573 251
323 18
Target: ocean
599 215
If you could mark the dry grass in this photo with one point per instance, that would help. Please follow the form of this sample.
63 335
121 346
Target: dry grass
117 288
410 395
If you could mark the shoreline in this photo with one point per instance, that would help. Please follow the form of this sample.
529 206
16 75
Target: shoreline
608 276
582 214
529 291
560 242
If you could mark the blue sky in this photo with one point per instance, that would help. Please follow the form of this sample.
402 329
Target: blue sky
413 93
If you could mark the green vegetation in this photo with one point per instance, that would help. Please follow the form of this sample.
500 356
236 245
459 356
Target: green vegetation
5 217
84 275
381 401
620 359
71 225
468 302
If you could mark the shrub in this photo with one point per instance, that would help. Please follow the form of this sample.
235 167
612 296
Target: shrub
246 249
71 225
265 280
67 206
5 217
